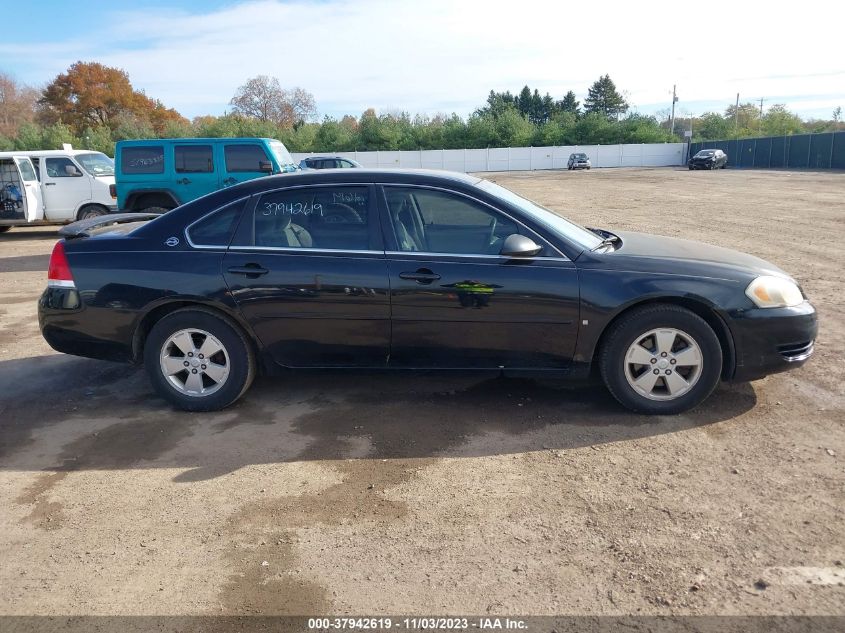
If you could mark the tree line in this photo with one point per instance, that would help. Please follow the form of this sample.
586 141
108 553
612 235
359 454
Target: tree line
92 106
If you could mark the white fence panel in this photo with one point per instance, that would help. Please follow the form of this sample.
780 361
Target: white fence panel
520 158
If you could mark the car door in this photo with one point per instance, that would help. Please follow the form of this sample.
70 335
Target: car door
308 271
65 187
243 161
456 302
31 194
194 167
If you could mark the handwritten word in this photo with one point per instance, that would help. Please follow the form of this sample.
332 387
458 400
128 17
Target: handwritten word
348 196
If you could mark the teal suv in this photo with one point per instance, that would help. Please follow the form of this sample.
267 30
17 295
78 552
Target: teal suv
160 174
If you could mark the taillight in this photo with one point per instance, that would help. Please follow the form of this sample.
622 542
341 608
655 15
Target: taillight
58 273
113 192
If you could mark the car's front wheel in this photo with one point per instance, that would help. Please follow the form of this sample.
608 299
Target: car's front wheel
661 359
198 360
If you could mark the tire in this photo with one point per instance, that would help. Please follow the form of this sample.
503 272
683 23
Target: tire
235 359
91 211
154 210
3 229
629 339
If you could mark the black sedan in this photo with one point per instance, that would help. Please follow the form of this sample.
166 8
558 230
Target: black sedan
708 159
413 269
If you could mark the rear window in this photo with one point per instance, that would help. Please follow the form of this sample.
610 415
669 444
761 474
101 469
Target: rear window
194 159
148 159
245 158
217 228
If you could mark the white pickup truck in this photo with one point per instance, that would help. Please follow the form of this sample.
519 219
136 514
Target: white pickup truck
54 186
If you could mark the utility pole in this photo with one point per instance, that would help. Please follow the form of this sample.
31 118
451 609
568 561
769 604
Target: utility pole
736 117
760 126
674 101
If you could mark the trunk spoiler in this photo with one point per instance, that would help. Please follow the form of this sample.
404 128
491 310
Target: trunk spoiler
84 227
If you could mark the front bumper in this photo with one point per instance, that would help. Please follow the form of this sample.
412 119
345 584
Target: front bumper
580 165
772 340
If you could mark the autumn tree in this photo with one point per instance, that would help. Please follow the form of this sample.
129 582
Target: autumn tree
603 98
17 105
263 98
90 94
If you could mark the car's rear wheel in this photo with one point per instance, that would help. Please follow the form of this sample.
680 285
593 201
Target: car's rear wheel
198 360
661 359
3 229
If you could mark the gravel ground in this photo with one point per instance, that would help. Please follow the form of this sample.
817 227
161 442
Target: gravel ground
336 493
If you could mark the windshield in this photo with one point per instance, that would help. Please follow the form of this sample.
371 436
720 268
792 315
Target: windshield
579 156
549 219
283 156
96 164
704 153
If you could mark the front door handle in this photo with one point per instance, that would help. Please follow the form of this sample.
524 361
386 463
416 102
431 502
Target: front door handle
230 181
252 271
184 181
421 276
50 184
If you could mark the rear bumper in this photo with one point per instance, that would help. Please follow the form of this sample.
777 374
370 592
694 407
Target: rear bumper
768 341
60 317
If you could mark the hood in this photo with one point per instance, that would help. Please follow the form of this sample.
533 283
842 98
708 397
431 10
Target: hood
671 254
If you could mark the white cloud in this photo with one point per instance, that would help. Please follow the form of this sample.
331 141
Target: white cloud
442 55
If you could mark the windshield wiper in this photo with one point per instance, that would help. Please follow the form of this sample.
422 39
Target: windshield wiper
608 238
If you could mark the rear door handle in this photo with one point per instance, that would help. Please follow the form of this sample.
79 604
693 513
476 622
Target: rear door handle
422 276
184 181
49 184
250 270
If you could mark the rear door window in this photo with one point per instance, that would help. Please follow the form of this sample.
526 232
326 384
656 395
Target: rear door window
194 159
244 157
147 159
325 218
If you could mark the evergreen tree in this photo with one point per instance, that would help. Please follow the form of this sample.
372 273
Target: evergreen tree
569 103
603 98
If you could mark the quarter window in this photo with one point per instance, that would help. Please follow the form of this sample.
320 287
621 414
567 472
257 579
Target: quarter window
217 228
194 159
61 168
440 222
147 159
335 218
244 158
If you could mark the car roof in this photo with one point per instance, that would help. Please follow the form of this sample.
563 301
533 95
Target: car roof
159 141
37 153
365 174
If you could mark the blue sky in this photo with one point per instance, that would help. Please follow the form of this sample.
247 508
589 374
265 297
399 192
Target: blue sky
437 56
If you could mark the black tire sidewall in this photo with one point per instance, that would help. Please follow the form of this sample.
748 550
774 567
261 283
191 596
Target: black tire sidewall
630 328
241 371
92 212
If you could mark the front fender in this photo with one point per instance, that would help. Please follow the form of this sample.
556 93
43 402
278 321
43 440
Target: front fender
606 294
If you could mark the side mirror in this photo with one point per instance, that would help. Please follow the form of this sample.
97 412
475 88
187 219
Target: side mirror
265 165
516 245
70 170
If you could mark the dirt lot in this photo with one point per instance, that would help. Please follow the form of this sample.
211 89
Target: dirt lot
362 494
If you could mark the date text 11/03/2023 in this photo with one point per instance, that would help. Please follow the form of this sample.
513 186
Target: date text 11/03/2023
418 624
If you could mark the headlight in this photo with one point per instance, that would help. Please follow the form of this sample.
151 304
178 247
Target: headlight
774 292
